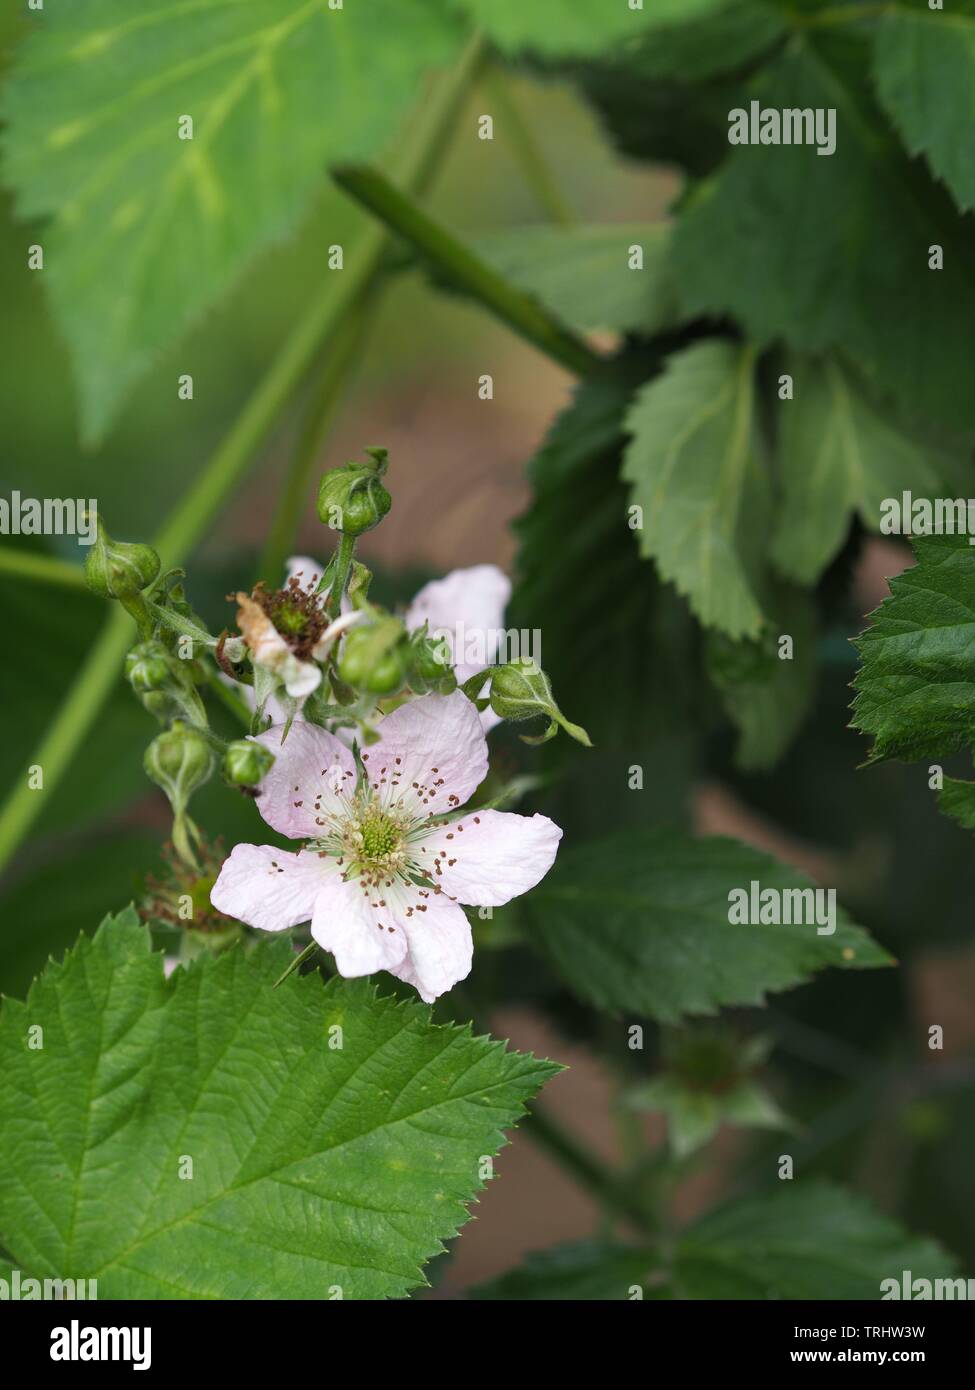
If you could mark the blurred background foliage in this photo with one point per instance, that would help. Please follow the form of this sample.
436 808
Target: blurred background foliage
627 660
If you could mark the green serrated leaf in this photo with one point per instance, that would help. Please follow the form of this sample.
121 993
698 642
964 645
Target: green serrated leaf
696 468
924 65
639 924
832 250
317 1171
916 682
840 455
584 274
811 1240
147 229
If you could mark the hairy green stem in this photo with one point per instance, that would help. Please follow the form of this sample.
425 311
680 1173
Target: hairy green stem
511 305
193 515
343 568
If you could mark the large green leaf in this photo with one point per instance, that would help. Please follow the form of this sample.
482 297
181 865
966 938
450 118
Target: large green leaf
916 683
806 1241
318 1171
574 26
839 455
147 230
584 273
696 468
639 924
833 250
924 62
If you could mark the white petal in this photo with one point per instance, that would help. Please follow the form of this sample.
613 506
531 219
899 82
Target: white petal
467 607
311 769
355 925
270 888
486 858
440 945
305 569
431 755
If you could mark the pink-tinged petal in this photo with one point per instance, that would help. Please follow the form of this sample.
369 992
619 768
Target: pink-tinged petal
431 755
467 607
358 927
269 888
440 946
305 570
311 770
486 858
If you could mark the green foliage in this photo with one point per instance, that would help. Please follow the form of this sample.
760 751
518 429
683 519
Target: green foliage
639 924
924 63
840 456
697 470
147 230
833 251
583 274
808 1241
915 687
315 1167
590 1269
811 1241
573 26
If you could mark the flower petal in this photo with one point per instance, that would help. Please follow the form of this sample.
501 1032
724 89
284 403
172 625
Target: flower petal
431 755
305 569
440 947
269 888
354 924
486 858
467 607
311 770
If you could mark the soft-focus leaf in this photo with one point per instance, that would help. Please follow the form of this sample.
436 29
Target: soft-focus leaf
806 1241
924 61
840 455
321 1160
589 1270
697 470
639 924
148 229
583 273
573 26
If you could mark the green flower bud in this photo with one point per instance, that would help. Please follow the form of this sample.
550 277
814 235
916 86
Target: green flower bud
246 763
179 760
117 569
375 657
163 683
147 667
352 499
521 690
431 669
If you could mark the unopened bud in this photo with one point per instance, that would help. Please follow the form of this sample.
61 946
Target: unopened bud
179 760
352 499
117 569
521 690
246 763
375 657
431 669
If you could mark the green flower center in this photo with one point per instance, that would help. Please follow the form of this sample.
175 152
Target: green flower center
380 836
